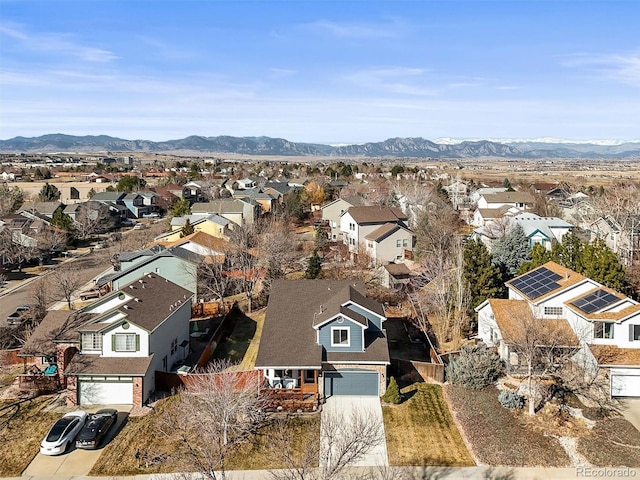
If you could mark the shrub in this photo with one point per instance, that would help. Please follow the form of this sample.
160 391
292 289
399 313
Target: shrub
475 367
509 399
392 395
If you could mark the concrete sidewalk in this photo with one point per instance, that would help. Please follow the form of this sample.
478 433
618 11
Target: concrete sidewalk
405 473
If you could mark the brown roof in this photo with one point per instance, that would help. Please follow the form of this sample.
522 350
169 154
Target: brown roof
515 319
612 355
201 238
376 214
618 315
397 269
376 350
154 295
96 365
58 326
509 197
288 337
384 231
494 212
569 278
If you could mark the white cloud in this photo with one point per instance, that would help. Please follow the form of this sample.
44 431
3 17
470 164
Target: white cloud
622 68
356 30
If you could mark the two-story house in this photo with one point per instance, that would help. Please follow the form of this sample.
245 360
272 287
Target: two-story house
605 323
237 211
332 211
110 350
621 235
323 338
212 224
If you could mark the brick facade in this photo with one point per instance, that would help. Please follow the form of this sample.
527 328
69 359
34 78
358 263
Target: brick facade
138 395
72 391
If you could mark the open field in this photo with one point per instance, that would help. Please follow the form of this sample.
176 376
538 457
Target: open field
420 431
22 428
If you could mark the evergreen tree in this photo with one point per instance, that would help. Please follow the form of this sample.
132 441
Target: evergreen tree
539 256
180 208
315 265
62 221
91 193
392 395
511 251
49 193
602 265
484 278
187 229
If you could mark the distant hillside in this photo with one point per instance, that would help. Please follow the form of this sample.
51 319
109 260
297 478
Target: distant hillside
393 147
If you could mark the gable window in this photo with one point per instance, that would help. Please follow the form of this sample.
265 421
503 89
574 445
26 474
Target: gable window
398 243
126 342
91 341
634 332
340 337
602 330
352 226
555 311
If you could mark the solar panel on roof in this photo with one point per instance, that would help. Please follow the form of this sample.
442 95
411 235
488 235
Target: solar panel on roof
537 283
595 301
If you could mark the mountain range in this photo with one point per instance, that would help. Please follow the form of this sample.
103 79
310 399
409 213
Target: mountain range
393 147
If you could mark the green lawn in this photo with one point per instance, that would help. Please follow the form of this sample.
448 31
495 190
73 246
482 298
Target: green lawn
420 431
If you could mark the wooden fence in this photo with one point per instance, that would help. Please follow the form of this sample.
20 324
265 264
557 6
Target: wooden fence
206 309
10 357
414 371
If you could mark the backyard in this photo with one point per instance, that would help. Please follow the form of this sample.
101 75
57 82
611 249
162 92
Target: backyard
420 431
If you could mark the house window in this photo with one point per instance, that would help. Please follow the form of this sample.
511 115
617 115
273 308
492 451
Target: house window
405 242
125 342
352 226
174 346
91 341
309 376
555 311
398 243
340 337
602 330
634 332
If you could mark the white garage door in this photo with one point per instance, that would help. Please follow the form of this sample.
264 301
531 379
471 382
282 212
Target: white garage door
106 392
625 385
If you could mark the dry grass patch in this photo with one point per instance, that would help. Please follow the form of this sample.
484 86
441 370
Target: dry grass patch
241 347
499 436
613 442
420 431
139 448
21 431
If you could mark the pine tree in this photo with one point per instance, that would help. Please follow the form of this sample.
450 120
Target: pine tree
511 251
602 265
485 279
187 229
315 265
539 256
570 253
181 207
392 395
49 193
62 221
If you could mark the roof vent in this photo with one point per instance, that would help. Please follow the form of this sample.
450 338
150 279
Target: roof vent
127 307
137 299
132 287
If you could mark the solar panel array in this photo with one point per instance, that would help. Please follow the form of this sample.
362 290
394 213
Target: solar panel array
536 283
595 301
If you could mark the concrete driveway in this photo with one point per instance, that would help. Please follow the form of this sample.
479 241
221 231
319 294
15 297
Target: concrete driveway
344 408
76 461
630 408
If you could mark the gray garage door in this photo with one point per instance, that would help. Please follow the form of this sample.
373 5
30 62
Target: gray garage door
351 382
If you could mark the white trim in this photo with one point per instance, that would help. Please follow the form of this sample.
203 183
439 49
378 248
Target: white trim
345 362
288 367
343 329
330 319
346 304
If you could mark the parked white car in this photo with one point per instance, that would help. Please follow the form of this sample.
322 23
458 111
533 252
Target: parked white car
63 433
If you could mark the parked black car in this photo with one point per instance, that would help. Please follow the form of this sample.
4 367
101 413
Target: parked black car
97 426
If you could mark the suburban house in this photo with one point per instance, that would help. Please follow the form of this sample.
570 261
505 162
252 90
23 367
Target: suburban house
267 201
603 324
233 209
110 350
545 231
621 236
482 216
213 225
381 232
42 210
521 200
322 338
200 243
132 205
332 211
174 264
389 243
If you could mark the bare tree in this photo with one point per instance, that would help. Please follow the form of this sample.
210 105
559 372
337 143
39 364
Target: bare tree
343 442
213 414
213 278
93 217
66 282
40 292
244 260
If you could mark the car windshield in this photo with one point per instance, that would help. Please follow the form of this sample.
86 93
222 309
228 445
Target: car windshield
58 429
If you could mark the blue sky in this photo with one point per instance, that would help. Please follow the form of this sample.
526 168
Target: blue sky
321 71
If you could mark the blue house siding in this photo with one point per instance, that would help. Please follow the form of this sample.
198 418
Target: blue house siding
174 269
373 319
355 336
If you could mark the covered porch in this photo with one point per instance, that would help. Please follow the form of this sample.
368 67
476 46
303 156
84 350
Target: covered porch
291 388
